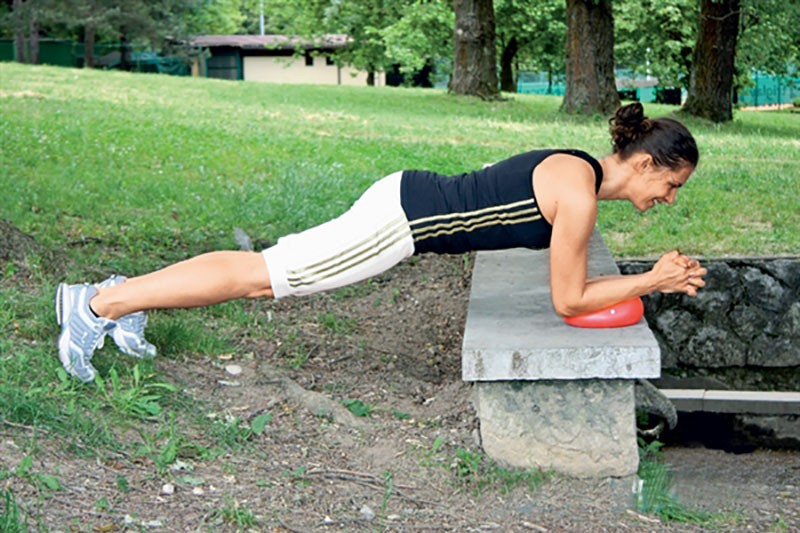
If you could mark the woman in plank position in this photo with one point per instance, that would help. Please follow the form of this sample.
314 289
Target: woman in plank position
539 199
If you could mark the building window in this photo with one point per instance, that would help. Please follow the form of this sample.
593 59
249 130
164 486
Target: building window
329 61
309 60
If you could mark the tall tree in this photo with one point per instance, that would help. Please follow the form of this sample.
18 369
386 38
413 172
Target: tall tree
530 35
220 17
18 21
363 23
591 87
711 81
769 39
89 36
153 23
28 18
93 20
422 34
656 38
475 54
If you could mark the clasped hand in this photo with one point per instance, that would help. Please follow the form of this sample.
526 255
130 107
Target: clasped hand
675 272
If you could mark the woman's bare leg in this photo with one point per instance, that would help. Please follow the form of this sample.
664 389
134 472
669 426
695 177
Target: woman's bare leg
200 281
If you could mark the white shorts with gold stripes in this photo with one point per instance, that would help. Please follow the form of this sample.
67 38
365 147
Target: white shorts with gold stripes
371 237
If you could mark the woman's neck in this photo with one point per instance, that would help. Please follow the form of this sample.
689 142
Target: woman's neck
616 177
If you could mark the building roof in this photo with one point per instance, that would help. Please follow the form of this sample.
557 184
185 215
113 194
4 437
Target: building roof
279 42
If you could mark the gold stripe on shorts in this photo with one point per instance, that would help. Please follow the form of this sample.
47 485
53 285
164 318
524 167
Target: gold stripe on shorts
352 256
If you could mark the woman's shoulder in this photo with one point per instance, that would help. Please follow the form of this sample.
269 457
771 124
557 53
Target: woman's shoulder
575 167
564 180
568 167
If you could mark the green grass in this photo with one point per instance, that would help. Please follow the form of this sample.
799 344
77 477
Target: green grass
131 171
656 496
126 173
12 519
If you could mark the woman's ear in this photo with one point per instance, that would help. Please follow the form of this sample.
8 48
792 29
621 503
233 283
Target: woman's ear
642 162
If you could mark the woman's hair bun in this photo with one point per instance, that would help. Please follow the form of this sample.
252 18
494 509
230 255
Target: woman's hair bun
665 139
628 125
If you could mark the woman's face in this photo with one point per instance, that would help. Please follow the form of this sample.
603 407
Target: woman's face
659 185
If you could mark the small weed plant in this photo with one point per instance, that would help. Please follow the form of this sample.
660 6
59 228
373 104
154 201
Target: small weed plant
388 490
43 482
12 519
656 496
137 399
236 514
475 471
358 407
339 325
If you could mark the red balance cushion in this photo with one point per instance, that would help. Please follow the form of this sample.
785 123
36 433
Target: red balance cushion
624 313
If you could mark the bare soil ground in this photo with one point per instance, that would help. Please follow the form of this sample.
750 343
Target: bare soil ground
393 343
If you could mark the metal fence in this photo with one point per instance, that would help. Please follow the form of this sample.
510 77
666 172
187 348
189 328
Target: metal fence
770 90
763 90
71 54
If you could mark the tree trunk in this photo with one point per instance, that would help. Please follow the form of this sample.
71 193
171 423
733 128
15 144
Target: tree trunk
591 87
474 62
711 79
89 33
33 40
19 31
508 82
125 53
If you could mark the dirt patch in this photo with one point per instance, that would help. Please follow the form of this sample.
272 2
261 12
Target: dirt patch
725 482
21 254
393 344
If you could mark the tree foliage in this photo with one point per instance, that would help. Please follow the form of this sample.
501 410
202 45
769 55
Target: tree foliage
217 17
530 36
656 37
769 37
151 23
383 33
364 23
423 33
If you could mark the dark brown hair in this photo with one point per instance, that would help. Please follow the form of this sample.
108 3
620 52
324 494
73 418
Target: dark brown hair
667 141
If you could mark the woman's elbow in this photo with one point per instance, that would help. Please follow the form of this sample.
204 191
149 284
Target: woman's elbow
565 308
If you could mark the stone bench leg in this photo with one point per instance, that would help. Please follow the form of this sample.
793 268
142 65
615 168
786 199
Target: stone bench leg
582 428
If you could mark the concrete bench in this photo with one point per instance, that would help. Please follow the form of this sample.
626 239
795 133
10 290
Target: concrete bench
549 395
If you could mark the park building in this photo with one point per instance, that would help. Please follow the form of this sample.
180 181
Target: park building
277 59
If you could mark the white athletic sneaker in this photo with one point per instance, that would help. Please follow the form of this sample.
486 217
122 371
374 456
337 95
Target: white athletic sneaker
81 330
129 333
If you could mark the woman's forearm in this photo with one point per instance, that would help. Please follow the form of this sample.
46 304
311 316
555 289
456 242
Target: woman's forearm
603 291
672 273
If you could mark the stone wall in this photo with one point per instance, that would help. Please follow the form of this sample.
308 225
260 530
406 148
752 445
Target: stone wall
747 317
741 332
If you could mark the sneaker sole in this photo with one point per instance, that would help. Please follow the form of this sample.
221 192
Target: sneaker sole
59 305
63 313
63 306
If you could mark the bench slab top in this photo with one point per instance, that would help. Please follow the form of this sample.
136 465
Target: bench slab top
513 333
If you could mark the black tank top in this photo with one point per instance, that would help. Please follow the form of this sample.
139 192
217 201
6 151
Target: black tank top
490 209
